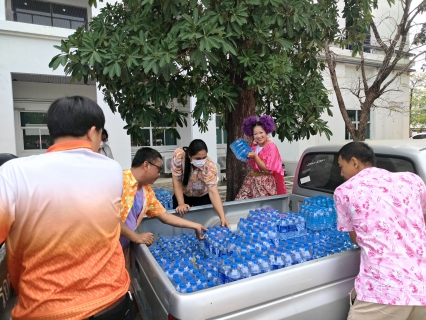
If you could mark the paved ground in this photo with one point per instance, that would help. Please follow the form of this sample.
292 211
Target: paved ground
165 182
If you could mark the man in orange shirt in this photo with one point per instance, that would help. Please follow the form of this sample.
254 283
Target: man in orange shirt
59 215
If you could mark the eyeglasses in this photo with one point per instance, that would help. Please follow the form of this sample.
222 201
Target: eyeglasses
159 168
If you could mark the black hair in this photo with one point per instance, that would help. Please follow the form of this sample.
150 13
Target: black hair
5 157
195 146
145 154
358 150
73 116
105 133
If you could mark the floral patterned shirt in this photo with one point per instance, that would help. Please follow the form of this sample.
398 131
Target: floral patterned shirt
386 211
151 207
200 179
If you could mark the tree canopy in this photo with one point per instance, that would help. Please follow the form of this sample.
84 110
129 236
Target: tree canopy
418 101
238 58
145 54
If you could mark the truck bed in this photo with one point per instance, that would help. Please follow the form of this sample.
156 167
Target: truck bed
316 289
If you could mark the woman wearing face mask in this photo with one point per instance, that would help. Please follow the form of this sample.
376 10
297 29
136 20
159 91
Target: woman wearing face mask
267 175
195 178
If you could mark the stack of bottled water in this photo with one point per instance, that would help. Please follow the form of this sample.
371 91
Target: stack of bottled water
241 149
266 240
165 197
320 213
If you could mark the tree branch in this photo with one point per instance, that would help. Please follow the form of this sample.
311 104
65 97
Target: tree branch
332 69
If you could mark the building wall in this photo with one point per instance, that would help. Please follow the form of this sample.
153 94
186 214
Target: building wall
34 96
28 48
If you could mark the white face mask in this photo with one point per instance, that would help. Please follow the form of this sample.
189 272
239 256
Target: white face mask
198 163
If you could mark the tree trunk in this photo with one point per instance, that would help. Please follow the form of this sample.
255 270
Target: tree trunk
236 170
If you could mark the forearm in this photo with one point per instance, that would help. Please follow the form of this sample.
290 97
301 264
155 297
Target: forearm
178 190
216 202
261 164
176 221
126 232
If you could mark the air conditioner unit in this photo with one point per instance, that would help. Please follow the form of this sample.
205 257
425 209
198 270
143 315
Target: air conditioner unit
167 164
221 160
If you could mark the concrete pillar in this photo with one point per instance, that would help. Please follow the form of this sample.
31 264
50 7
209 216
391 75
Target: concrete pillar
7 124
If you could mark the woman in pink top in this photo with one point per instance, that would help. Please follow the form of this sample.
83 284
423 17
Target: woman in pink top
267 175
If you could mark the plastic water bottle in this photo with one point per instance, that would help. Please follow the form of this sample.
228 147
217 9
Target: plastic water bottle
245 270
264 264
296 257
234 273
177 283
255 268
215 279
288 261
182 288
223 271
192 285
204 282
278 262
200 287
307 254
231 247
283 228
301 226
273 237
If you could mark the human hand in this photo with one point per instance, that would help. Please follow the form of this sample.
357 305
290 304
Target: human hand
182 208
145 238
199 231
225 223
251 155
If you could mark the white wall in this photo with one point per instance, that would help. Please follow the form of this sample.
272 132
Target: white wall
21 54
118 139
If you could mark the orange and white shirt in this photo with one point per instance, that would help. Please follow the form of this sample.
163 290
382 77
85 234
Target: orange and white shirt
59 215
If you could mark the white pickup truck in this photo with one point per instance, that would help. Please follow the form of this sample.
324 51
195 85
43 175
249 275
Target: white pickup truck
317 289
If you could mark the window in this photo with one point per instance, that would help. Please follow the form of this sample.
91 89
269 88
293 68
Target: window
154 136
221 134
49 14
35 135
355 115
321 171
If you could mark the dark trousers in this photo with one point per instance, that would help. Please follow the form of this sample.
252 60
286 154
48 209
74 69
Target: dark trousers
124 311
193 201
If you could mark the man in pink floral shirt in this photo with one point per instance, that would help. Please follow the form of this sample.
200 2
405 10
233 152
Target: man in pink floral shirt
384 215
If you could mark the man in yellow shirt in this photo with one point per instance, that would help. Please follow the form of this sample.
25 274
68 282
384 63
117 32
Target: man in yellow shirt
138 199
